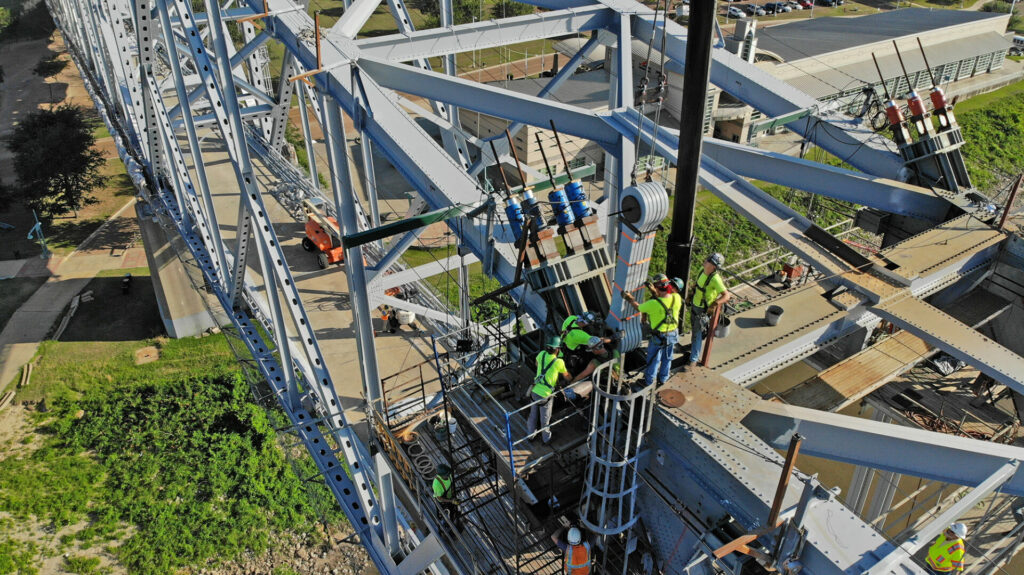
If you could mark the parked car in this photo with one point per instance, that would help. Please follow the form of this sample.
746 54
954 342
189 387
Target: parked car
795 5
807 4
734 12
754 10
775 7
829 3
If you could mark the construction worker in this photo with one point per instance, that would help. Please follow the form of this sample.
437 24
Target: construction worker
577 552
600 354
576 338
662 313
444 494
550 367
946 555
708 293
574 333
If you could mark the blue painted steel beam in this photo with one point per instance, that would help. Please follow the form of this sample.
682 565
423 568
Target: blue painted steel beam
439 179
491 100
483 35
229 14
829 181
769 95
206 119
236 60
567 71
354 18
885 446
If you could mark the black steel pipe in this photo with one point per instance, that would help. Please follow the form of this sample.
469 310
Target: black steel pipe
691 133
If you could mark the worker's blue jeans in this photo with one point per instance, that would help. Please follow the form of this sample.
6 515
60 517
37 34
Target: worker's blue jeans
659 356
696 333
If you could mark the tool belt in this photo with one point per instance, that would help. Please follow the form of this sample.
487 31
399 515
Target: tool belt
701 319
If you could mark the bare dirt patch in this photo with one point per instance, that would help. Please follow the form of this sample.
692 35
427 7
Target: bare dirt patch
297 554
147 354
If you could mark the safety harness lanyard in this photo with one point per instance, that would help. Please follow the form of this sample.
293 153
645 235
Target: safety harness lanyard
703 289
542 376
668 314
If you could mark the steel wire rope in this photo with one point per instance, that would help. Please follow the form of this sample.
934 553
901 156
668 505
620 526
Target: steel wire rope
642 92
662 90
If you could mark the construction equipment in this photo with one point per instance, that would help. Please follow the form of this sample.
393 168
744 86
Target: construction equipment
322 234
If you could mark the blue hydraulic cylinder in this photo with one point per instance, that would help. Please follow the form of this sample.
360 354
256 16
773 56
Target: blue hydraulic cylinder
560 205
577 199
514 212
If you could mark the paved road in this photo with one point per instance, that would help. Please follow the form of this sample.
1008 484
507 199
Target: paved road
31 323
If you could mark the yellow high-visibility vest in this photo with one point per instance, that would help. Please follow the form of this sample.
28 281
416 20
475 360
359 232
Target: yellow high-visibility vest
946 556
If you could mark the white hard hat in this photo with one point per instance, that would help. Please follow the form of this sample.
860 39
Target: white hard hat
575 536
959 529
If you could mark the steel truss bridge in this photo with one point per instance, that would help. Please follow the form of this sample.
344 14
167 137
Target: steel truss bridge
182 97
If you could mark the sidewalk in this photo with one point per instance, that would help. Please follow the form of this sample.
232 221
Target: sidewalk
32 322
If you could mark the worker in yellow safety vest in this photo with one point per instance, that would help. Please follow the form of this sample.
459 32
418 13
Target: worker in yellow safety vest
662 313
444 494
577 552
550 367
709 292
946 555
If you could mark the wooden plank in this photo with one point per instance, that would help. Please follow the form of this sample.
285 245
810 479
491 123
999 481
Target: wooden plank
855 377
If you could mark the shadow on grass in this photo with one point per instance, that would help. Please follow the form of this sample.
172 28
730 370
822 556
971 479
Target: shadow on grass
115 316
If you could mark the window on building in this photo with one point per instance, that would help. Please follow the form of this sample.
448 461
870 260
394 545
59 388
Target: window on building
997 60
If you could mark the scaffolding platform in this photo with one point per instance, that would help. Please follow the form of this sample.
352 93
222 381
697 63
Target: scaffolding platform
493 404
497 534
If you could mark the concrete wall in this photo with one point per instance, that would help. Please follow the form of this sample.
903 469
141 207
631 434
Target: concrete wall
182 309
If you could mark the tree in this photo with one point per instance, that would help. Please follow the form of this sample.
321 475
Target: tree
54 161
509 8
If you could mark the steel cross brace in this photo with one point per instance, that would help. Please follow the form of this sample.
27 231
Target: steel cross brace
830 181
360 505
435 42
501 143
884 446
440 180
993 483
769 95
453 141
490 100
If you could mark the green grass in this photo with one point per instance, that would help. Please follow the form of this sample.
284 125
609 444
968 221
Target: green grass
13 293
446 284
987 100
17 557
81 565
993 128
166 465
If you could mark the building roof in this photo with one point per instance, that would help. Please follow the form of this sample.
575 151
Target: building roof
825 83
586 89
814 37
